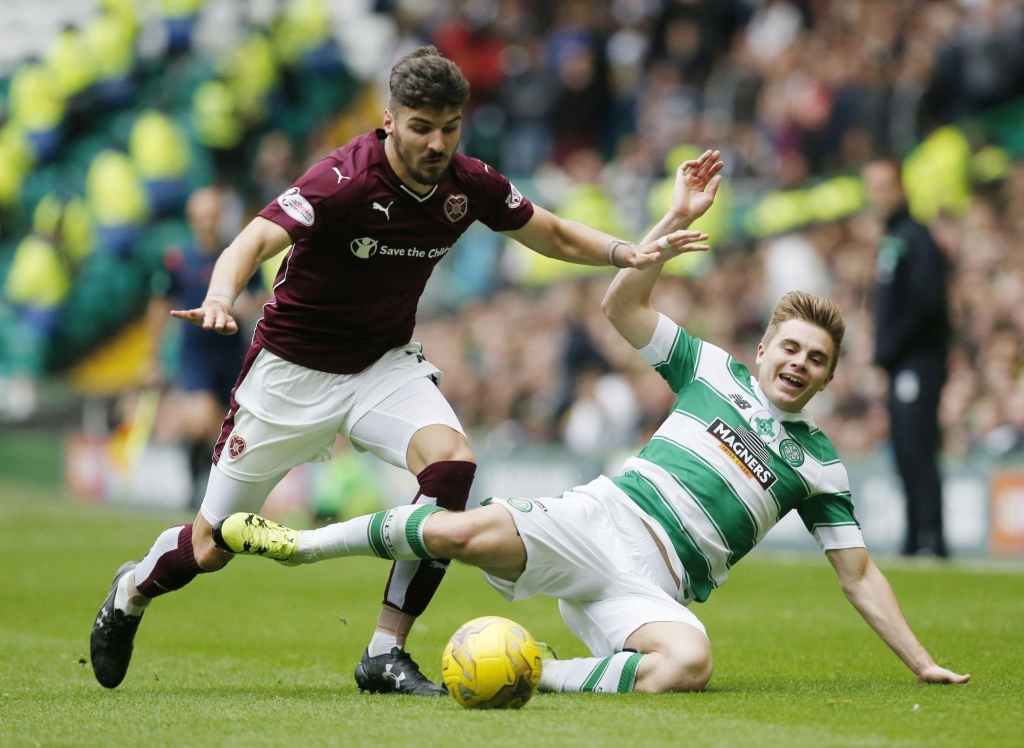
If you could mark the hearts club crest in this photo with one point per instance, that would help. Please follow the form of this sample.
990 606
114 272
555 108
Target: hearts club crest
236 445
456 207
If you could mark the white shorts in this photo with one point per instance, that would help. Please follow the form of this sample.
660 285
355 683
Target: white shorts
287 414
594 554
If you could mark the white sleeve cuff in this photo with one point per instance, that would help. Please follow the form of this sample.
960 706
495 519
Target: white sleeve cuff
837 537
660 348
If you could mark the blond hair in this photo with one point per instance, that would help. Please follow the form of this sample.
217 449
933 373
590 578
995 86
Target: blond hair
817 310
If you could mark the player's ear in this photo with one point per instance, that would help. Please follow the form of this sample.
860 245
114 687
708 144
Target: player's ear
389 121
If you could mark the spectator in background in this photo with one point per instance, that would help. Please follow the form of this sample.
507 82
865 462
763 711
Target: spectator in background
160 151
912 338
117 200
180 20
208 365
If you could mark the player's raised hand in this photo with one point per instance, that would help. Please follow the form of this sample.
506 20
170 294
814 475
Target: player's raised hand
665 248
212 315
696 184
936 674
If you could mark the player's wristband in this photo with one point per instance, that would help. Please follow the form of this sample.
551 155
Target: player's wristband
222 291
611 251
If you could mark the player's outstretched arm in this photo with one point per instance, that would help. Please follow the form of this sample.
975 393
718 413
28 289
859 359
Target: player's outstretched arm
258 242
627 303
578 243
572 241
869 592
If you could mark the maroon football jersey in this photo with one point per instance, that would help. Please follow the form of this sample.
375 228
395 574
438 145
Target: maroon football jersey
365 245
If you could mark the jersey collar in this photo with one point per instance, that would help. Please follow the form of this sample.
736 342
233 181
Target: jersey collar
778 413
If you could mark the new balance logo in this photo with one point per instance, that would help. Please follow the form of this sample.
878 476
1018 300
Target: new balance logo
382 209
741 403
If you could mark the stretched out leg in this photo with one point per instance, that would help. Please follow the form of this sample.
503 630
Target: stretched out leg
484 537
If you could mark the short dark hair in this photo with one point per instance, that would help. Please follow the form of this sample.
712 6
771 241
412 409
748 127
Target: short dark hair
425 78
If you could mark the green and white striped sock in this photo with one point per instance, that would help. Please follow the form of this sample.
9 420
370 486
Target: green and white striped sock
395 534
615 674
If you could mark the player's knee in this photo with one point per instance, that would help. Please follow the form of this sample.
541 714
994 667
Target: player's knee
457 452
686 669
461 536
208 556
456 534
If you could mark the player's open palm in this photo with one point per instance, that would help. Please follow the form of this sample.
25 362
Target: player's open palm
666 248
696 184
212 315
936 674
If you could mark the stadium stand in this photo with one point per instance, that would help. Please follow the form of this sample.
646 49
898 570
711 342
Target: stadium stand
588 106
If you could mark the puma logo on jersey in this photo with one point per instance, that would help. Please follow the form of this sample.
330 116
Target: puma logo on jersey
382 209
340 175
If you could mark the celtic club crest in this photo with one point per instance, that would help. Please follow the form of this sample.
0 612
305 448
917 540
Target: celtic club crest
456 207
236 445
765 427
523 505
792 452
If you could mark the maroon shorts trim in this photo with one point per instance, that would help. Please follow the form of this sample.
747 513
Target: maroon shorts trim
229 420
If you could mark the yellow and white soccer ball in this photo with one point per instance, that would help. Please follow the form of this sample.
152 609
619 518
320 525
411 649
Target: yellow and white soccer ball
491 663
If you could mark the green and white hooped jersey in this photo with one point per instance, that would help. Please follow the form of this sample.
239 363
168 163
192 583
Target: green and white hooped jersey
727 465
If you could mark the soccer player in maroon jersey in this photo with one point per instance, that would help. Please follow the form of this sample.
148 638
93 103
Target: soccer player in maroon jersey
332 353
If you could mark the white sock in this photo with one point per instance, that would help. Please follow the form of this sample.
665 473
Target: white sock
121 601
394 534
615 674
382 643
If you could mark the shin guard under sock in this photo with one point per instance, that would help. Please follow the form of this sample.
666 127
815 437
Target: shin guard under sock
412 584
170 563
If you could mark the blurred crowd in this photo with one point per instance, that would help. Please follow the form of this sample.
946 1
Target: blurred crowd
588 105
787 88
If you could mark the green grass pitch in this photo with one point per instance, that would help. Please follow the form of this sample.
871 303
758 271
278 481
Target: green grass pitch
258 655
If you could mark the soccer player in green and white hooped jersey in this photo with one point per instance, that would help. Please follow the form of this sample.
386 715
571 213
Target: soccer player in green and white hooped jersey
728 463
626 555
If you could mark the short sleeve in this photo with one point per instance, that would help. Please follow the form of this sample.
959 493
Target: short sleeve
504 208
673 353
313 200
828 514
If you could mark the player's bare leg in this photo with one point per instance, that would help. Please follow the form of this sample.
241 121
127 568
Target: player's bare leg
485 538
677 657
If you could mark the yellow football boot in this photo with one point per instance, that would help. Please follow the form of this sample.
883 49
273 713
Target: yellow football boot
252 535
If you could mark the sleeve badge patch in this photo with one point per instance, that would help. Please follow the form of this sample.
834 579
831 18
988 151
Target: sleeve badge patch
296 206
514 199
456 207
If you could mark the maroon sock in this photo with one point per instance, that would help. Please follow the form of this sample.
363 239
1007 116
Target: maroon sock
413 583
170 563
